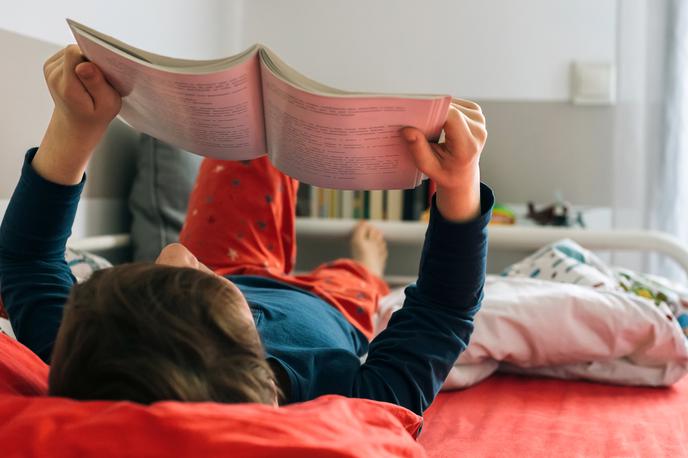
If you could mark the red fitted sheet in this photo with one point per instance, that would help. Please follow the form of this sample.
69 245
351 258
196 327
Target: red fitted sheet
529 417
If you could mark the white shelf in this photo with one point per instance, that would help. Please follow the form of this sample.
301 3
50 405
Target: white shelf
413 231
511 237
395 231
501 237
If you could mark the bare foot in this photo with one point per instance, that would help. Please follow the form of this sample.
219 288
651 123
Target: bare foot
368 246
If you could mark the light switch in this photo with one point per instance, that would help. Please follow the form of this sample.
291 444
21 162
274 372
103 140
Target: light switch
593 83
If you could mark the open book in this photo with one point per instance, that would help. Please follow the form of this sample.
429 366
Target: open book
251 104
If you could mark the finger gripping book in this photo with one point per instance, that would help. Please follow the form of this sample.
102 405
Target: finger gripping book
253 104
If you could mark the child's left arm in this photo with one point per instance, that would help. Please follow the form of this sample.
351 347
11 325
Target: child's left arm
408 361
34 277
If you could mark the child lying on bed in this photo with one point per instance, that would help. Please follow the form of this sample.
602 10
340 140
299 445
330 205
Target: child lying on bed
218 317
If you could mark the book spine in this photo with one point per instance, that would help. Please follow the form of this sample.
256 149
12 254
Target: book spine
336 203
384 205
314 210
303 200
347 204
358 205
366 204
376 205
415 201
407 211
327 198
322 205
395 202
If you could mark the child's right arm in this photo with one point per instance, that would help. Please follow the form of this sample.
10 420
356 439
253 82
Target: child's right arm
85 104
34 277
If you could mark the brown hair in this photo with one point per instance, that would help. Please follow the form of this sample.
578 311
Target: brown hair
147 332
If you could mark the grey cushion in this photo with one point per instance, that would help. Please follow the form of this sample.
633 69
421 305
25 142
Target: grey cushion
159 195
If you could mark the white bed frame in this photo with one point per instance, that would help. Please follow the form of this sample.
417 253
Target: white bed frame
500 238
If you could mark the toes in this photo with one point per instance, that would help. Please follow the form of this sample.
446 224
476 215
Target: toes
378 236
364 231
360 231
374 233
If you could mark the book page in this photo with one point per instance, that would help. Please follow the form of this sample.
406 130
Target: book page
345 141
217 113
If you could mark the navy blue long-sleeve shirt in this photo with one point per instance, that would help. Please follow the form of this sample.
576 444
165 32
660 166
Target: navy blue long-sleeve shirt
318 349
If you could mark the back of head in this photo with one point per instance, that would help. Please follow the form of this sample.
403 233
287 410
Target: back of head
146 332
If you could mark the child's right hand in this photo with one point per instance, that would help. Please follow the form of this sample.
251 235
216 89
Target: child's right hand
85 104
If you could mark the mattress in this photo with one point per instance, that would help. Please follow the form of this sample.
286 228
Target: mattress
528 417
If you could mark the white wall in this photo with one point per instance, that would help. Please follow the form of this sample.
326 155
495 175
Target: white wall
31 30
496 50
486 49
513 57
178 28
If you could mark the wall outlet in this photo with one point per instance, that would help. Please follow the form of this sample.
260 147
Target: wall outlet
593 83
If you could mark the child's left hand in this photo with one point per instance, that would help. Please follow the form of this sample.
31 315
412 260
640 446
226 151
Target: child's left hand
453 165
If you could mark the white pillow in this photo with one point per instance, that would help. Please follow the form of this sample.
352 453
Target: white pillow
83 264
565 261
568 331
534 323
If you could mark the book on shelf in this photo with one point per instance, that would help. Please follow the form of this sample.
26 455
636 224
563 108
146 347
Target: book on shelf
347 208
415 202
359 202
389 205
304 203
253 104
377 210
395 204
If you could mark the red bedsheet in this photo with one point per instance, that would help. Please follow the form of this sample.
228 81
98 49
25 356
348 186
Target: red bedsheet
529 417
